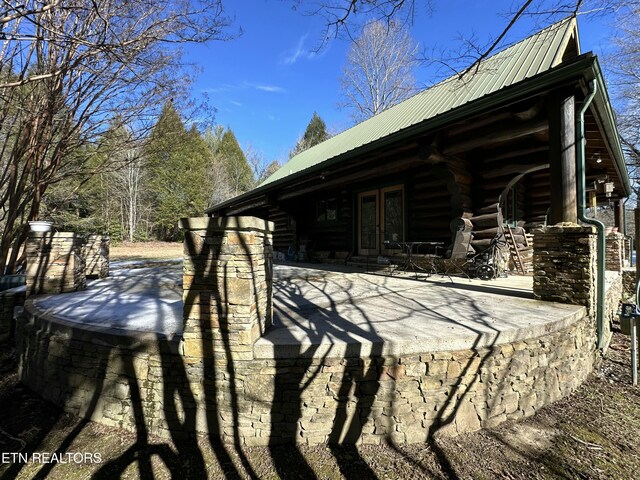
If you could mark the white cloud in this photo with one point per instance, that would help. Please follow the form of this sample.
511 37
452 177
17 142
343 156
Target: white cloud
219 89
264 87
300 51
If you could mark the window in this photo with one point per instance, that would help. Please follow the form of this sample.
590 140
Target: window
327 210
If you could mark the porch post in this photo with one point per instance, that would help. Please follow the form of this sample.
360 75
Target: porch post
564 265
618 211
614 252
96 254
562 161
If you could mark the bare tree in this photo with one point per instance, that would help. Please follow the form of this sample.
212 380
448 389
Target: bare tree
378 73
262 169
342 17
128 182
68 68
349 17
624 71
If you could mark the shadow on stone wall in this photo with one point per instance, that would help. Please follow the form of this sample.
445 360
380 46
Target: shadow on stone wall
212 384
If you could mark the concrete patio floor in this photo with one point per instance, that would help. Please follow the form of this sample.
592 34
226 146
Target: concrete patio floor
321 311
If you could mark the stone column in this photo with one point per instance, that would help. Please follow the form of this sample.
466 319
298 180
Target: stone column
227 286
54 263
9 299
564 265
614 252
96 255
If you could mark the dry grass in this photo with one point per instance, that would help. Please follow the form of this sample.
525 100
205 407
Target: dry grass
146 251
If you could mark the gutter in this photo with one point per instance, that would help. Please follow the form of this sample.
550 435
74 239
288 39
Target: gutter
600 227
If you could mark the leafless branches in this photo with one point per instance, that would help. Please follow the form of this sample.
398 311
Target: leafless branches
70 70
378 73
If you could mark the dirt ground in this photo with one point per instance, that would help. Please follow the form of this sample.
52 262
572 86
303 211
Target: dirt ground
592 434
146 251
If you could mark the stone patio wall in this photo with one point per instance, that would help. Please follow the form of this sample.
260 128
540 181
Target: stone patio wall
55 263
96 254
129 381
209 381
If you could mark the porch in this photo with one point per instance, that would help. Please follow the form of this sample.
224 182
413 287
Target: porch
326 310
351 357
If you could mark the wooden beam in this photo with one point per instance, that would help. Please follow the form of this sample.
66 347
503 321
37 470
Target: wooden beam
523 152
497 134
523 115
619 214
335 178
513 168
562 159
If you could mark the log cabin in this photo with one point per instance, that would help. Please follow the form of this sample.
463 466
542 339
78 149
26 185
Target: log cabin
457 162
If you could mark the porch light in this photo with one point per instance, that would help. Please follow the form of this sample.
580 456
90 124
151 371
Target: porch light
608 188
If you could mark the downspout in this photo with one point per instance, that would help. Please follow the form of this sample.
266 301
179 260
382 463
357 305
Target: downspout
582 215
624 231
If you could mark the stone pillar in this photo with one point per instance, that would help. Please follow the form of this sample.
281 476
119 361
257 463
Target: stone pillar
9 299
614 252
564 265
227 286
55 263
96 255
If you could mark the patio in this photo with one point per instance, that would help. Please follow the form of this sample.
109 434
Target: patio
335 310
351 357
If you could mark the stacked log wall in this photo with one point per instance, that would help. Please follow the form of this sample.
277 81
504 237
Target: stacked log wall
429 208
284 234
331 235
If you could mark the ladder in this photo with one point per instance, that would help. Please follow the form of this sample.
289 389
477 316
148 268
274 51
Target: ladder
513 250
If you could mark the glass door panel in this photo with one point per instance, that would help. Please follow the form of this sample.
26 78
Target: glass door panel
368 223
392 215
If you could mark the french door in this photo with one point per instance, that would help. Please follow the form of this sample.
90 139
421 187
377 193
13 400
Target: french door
380 219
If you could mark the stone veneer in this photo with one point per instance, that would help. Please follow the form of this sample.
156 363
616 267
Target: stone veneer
629 284
9 299
96 254
615 252
564 265
210 382
227 282
55 263
144 379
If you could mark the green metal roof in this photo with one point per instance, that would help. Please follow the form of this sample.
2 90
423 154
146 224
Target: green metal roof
525 67
525 59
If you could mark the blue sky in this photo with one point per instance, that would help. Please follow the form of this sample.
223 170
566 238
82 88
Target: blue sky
267 82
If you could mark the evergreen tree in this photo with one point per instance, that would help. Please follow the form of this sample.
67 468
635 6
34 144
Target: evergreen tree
177 163
237 168
315 133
